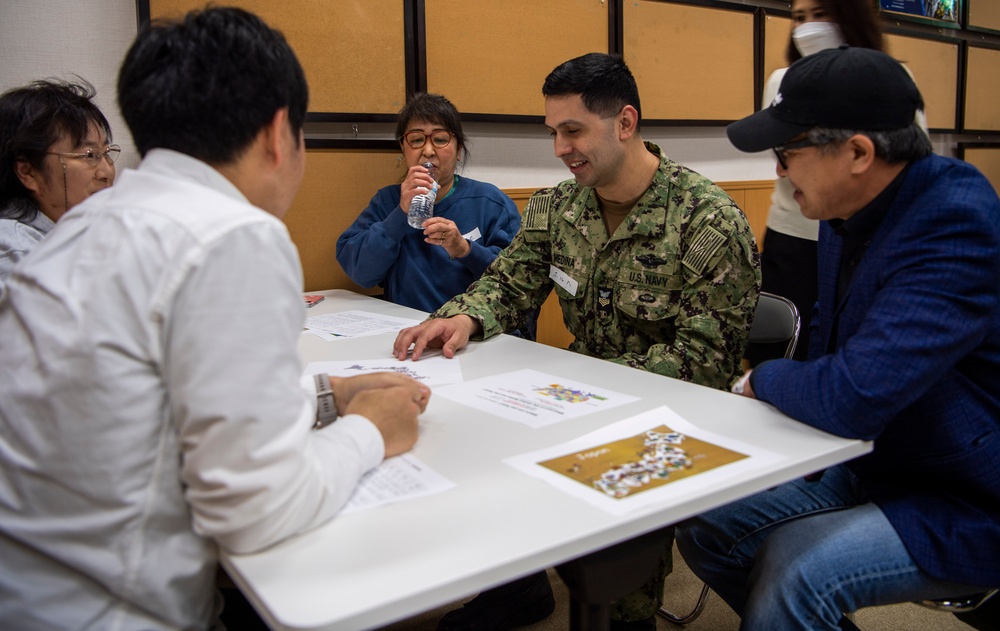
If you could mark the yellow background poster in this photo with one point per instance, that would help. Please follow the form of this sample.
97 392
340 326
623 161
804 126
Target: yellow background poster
654 458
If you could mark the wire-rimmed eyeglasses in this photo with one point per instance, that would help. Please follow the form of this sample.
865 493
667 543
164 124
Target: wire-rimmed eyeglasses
91 156
781 150
440 138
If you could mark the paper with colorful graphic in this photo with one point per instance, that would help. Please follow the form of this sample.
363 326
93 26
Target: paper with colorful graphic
646 459
533 398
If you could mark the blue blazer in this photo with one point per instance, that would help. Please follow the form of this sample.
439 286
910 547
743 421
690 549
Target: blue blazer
915 366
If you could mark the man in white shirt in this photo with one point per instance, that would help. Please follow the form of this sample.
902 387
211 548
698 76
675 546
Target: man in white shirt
151 400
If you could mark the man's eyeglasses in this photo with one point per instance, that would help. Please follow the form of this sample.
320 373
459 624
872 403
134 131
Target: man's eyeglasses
92 157
439 138
781 150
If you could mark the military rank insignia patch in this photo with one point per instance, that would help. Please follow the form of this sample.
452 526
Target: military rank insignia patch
604 301
703 249
536 213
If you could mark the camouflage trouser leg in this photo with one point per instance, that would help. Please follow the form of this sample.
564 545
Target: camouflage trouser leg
645 601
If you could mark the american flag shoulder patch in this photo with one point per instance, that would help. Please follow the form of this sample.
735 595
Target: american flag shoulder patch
536 213
703 249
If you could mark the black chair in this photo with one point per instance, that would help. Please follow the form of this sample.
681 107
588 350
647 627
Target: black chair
773 335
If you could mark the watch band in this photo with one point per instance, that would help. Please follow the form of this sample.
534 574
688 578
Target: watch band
326 405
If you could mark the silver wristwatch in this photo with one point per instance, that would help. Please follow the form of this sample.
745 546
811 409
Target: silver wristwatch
326 406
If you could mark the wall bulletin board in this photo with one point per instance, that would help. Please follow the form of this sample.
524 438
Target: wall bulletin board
353 51
986 158
777 31
337 186
663 40
982 90
934 65
492 57
984 14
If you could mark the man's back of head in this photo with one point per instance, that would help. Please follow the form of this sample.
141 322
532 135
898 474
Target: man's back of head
207 84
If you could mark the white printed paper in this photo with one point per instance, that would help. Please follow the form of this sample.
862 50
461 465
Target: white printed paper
533 398
356 323
430 370
397 479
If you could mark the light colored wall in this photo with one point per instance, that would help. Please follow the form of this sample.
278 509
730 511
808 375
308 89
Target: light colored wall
46 38
40 39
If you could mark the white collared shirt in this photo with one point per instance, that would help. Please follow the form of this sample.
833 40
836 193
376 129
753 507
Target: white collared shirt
18 237
151 405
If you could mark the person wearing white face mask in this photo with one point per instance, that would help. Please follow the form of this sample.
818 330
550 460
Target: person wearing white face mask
788 260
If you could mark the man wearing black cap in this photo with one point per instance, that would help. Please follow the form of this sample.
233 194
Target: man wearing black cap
905 352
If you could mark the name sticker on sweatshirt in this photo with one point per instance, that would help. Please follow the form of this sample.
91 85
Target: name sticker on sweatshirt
473 235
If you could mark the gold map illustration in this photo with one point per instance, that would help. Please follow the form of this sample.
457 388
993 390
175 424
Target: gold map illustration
639 463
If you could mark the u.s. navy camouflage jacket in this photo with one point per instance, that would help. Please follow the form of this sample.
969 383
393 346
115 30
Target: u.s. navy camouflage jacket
673 291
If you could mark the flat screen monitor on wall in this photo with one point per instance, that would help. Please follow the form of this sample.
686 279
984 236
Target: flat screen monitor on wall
940 12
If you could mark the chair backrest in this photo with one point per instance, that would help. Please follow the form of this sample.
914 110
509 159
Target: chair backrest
775 330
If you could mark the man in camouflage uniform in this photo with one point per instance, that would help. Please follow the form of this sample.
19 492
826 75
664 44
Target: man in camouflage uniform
655 267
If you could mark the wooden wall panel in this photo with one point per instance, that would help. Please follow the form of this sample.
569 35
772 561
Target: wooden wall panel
982 90
935 70
352 51
987 160
337 186
493 57
777 31
984 14
691 62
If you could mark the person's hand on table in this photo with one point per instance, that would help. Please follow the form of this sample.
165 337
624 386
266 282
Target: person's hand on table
346 388
444 232
449 334
389 400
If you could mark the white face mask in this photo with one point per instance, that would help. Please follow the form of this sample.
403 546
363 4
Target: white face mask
812 37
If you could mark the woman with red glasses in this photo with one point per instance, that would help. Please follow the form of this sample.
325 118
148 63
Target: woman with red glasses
472 221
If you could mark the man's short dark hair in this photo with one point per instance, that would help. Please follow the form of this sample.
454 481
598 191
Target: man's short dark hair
32 119
603 81
432 108
206 85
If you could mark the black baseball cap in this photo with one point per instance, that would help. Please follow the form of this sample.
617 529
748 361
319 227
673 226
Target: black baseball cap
840 88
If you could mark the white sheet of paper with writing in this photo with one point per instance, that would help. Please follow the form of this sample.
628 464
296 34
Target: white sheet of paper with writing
533 398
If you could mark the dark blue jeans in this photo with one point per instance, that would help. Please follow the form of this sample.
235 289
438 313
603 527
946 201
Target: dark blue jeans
802 554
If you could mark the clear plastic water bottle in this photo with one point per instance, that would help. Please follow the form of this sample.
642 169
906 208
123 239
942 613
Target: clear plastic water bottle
422 206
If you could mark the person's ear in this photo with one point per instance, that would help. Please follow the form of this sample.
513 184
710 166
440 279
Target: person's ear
862 153
29 176
628 121
276 134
